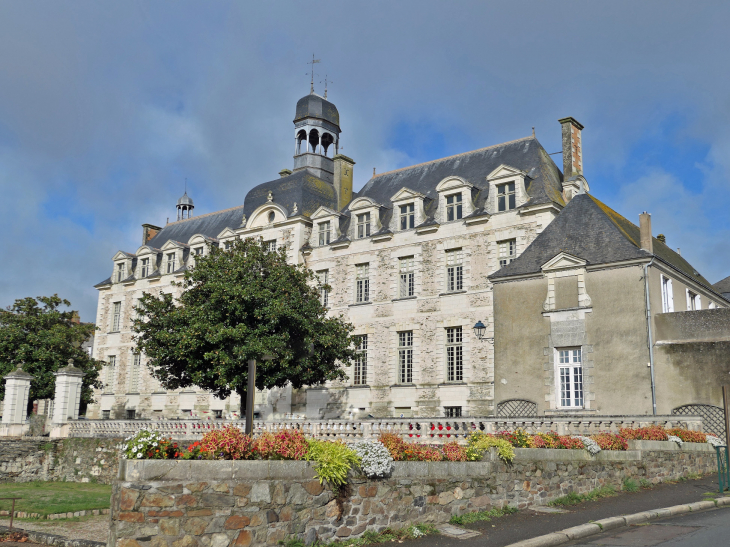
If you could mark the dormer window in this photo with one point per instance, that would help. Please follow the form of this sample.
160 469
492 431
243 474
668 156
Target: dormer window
145 267
170 262
227 245
270 245
407 216
324 233
453 207
506 197
120 272
198 251
363 225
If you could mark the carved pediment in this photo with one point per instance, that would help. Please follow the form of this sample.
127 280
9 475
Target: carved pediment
505 171
121 255
362 203
452 183
406 194
323 212
226 233
563 261
170 244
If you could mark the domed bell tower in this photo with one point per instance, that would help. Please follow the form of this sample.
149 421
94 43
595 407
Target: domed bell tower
185 207
317 136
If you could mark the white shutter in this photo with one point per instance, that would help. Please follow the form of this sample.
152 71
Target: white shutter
698 302
670 295
689 299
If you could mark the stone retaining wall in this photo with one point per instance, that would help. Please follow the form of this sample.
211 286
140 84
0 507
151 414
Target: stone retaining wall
160 503
43 459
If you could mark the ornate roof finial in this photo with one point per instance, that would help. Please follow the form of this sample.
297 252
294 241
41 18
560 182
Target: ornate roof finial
243 220
270 197
312 62
295 209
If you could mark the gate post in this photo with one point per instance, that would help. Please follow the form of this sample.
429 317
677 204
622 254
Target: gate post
67 398
15 407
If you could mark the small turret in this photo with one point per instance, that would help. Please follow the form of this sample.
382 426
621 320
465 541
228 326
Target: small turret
185 207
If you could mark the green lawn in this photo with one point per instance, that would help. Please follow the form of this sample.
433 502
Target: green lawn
47 498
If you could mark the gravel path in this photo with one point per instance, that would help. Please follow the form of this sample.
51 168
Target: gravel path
93 528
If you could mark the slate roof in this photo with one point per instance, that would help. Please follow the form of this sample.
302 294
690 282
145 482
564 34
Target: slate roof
314 106
209 225
587 228
543 183
723 287
302 188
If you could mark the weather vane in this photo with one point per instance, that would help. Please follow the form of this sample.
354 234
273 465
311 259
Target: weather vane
312 62
325 85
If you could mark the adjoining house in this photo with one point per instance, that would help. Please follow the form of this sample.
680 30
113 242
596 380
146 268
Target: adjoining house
598 317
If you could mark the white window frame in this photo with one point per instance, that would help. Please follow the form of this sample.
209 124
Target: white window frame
694 302
360 367
270 245
454 354
454 207
406 277
324 294
362 229
405 357
116 316
569 378
144 268
508 192
667 294
171 259
454 270
324 233
407 216
362 282
121 272
110 374
199 251
507 251
134 372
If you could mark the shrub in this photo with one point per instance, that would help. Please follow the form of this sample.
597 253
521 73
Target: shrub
375 459
333 461
401 450
395 445
518 438
688 436
454 452
228 443
193 452
149 444
479 442
287 444
610 441
651 433
552 440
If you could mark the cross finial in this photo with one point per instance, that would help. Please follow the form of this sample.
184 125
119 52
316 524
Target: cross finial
325 85
312 62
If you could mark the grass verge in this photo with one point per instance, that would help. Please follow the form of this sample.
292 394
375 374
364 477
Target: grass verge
374 538
47 498
574 498
470 518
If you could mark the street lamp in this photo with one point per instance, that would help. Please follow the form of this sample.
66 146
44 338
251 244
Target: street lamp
479 330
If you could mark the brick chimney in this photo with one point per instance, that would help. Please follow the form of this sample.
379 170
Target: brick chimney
645 229
572 147
148 232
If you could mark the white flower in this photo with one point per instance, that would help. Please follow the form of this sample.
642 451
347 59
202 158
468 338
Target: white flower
715 441
139 455
589 444
376 461
134 450
677 440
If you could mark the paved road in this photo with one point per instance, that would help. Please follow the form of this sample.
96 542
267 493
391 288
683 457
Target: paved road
711 529
528 524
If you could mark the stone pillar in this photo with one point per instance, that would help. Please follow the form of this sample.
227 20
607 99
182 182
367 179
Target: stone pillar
68 394
15 407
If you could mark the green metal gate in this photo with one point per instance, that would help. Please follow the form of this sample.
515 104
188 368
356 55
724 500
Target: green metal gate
723 469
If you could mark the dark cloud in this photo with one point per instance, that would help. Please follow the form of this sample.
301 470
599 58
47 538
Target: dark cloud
106 108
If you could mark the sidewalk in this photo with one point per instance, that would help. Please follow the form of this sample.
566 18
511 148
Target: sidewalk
528 523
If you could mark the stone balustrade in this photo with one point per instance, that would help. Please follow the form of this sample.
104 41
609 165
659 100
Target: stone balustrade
431 430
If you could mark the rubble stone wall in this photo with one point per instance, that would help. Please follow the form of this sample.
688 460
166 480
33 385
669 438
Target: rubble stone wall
158 503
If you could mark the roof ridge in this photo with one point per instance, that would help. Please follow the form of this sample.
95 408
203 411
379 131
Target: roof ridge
605 209
452 157
202 216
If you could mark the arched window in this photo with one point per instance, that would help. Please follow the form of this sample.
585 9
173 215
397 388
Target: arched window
327 142
313 141
301 142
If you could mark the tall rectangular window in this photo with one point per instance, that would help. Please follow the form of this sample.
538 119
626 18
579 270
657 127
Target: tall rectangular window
361 360
407 216
170 262
227 245
454 270
270 245
667 295
134 374
145 268
324 233
407 286
452 411
693 301
506 197
116 316
507 251
362 283
570 376
324 294
453 207
363 225
405 357
454 355
110 371
120 272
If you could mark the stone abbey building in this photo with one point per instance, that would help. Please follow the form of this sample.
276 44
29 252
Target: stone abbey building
408 259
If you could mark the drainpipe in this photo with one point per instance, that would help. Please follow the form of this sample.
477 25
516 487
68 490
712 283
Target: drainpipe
651 341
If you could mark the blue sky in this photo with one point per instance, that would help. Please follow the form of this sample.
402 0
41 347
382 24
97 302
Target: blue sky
106 109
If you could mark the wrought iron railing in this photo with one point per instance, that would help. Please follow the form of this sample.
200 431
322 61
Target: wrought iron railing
432 430
723 467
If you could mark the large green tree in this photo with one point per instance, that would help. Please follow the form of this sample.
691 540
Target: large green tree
242 303
38 334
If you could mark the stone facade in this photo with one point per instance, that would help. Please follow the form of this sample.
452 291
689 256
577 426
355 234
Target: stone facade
70 460
221 503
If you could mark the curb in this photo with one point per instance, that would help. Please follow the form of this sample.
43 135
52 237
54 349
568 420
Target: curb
611 523
53 539
54 516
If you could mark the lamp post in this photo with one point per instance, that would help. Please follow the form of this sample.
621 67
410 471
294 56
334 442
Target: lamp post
480 330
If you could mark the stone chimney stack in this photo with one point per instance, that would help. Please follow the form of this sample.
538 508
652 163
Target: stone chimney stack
572 148
645 229
148 232
343 180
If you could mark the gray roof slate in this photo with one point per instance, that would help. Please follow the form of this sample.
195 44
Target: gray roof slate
588 229
302 188
723 287
209 225
314 106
